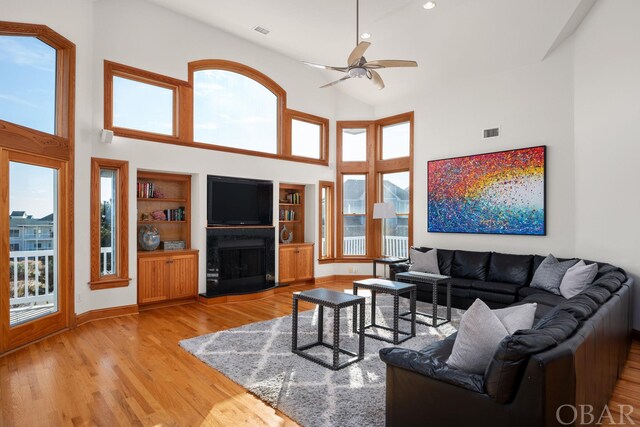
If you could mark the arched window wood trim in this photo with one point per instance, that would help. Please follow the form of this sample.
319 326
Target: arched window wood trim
252 73
59 145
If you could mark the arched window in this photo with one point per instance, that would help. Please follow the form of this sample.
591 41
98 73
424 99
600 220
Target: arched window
235 106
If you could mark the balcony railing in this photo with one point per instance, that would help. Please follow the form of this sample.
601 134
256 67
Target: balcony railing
33 283
396 246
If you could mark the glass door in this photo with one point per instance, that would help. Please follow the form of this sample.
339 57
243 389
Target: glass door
32 291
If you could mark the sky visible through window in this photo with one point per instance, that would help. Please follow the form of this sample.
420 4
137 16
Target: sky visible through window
142 106
27 82
305 139
32 189
233 110
396 140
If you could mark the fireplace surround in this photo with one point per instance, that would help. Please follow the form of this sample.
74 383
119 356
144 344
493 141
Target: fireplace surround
240 260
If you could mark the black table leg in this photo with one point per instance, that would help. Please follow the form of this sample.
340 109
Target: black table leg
294 324
361 344
355 310
412 308
448 301
373 307
434 317
396 309
336 337
374 270
320 323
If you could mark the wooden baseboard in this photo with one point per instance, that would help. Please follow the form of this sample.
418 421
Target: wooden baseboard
635 335
169 303
105 313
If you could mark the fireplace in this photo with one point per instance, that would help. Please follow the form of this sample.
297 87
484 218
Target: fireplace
240 260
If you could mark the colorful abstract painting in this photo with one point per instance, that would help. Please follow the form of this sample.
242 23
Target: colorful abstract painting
495 193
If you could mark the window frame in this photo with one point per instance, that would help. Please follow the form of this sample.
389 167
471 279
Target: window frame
121 278
181 93
330 223
291 115
374 167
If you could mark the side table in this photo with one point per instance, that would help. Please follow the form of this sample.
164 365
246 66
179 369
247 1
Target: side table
434 280
386 261
336 301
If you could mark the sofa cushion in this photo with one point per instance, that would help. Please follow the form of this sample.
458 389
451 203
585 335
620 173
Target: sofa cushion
470 265
505 369
479 334
445 259
537 260
577 278
581 307
611 280
498 287
461 283
493 297
597 293
545 298
425 262
527 290
549 274
509 268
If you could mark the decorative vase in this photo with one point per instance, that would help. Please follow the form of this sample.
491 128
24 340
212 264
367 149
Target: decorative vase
149 238
286 235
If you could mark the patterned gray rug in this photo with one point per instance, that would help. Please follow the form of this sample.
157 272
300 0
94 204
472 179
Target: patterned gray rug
258 357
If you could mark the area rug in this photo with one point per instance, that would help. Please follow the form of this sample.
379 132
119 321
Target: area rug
258 357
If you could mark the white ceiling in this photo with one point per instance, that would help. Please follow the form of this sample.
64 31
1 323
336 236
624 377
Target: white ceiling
456 39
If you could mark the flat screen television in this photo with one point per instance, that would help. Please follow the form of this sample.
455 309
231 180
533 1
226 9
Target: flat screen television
237 201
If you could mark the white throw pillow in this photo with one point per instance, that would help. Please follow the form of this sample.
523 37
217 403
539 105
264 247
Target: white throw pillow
517 317
482 329
425 262
578 278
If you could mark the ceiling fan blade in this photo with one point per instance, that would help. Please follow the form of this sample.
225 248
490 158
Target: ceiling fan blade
324 67
358 52
390 63
376 79
336 82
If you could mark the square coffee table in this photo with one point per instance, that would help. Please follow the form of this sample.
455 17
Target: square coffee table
336 301
395 289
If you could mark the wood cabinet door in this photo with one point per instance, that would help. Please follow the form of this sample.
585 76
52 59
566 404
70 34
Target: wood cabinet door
304 263
287 264
152 279
183 276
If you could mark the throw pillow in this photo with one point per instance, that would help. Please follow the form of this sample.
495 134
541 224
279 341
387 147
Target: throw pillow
578 278
425 262
549 274
517 317
479 334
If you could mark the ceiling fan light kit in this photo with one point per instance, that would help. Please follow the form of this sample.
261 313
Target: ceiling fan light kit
358 66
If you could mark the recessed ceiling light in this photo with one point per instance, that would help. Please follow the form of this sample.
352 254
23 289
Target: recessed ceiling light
261 30
429 5
365 36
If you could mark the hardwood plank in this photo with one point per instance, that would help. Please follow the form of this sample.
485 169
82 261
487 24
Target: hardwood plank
130 370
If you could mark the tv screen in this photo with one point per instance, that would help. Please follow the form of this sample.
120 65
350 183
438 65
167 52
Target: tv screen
236 201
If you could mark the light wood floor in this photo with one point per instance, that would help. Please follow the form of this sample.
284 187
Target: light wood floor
131 371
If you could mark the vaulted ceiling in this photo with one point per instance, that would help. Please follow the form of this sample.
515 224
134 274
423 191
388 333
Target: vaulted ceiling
458 38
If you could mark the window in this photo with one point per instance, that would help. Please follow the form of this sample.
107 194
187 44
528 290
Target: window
140 104
354 145
14 233
354 215
28 82
307 137
396 140
235 106
395 231
14 247
382 150
109 220
326 220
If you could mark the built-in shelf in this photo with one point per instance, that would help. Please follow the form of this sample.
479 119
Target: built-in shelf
157 199
290 204
282 220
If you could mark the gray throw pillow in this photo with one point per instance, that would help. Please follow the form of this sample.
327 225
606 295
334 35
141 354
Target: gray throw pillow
517 317
577 279
549 274
479 335
425 262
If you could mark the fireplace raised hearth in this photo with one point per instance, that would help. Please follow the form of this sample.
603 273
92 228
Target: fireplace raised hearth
240 260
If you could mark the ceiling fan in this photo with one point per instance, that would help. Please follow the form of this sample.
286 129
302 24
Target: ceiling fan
358 66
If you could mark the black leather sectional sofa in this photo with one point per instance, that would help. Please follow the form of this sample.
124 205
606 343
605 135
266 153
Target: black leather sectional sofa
572 356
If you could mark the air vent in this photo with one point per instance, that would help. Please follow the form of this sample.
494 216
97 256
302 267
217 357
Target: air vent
261 30
491 133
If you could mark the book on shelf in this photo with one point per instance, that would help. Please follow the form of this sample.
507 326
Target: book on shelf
145 190
293 198
287 215
175 214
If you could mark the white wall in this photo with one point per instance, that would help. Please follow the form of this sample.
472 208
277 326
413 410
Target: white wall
607 136
533 106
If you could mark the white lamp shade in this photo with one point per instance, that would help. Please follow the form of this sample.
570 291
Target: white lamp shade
383 210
